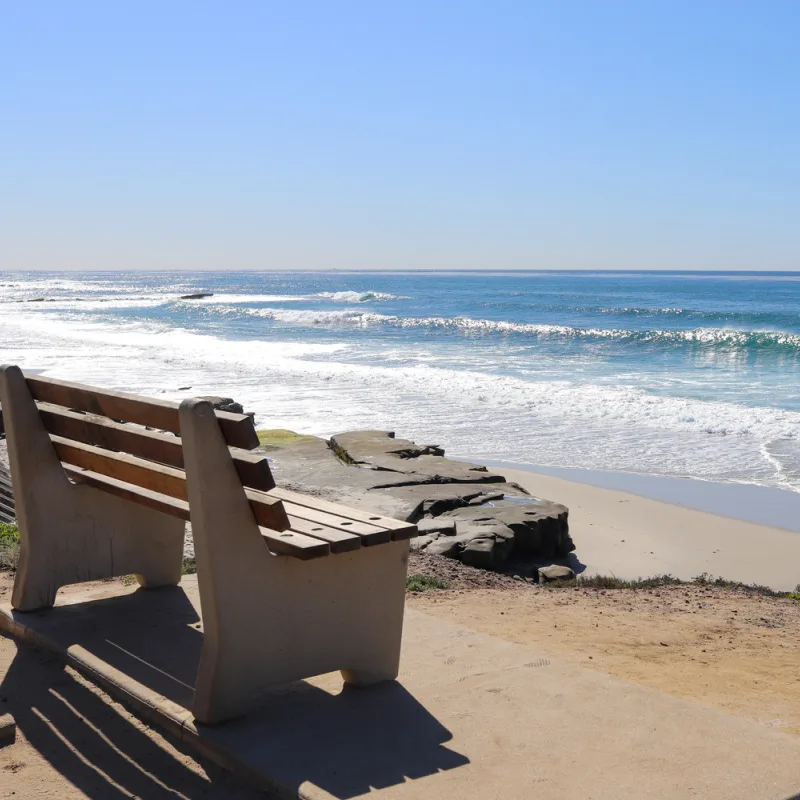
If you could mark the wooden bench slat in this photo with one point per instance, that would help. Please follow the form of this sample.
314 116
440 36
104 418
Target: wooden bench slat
238 429
127 491
268 511
295 545
399 529
369 533
339 541
130 469
286 543
155 477
253 469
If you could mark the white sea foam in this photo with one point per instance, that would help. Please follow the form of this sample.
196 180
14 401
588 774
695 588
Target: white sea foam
358 297
317 387
230 299
336 297
702 336
90 303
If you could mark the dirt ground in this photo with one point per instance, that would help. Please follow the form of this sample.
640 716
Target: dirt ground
727 648
730 649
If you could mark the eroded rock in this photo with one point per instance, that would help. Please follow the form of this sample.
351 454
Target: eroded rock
381 450
555 572
463 511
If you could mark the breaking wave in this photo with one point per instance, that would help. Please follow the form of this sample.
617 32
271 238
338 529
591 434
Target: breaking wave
721 337
358 297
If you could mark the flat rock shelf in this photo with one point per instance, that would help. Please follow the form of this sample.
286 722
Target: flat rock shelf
464 511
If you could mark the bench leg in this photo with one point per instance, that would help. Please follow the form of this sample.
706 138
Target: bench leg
71 533
273 619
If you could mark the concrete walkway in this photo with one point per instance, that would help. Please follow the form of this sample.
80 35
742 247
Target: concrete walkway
472 716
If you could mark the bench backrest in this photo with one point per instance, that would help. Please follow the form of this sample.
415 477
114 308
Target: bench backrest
103 439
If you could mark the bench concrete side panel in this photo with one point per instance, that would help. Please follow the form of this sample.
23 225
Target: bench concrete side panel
273 619
71 533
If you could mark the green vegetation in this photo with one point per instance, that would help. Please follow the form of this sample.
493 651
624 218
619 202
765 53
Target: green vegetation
280 437
9 545
189 566
613 582
341 454
658 581
422 583
128 580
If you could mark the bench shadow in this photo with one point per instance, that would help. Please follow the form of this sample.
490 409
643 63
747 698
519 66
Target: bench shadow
94 745
346 743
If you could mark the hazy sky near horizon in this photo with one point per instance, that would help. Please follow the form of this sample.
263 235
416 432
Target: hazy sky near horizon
400 135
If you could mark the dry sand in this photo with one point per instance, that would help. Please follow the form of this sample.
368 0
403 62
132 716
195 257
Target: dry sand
724 648
630 536
735 650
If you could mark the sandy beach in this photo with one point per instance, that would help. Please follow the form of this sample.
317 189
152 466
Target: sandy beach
632 536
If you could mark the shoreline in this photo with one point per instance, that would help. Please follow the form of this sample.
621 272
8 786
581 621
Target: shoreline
631 536
748 502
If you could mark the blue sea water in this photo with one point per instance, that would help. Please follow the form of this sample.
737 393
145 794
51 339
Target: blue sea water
680 374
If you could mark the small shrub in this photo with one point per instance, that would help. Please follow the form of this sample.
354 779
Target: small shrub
613 582
421 583
128 580
9 546
704 579
657 581
189 566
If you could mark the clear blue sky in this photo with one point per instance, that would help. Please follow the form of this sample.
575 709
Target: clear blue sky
377 135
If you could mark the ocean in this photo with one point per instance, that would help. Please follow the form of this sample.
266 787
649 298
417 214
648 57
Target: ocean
675 374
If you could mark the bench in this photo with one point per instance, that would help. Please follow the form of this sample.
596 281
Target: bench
291 586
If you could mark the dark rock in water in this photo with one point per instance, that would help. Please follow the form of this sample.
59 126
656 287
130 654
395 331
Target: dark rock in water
36 300
198 296
183 388
555 572
224 404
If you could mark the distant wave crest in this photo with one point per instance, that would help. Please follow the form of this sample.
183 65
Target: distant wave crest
358 297
722 337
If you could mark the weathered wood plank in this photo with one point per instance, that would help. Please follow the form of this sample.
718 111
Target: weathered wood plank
295 545
339 540
398 528
155 477
238 429
268 511
127 491
253 469
369 534
130 469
